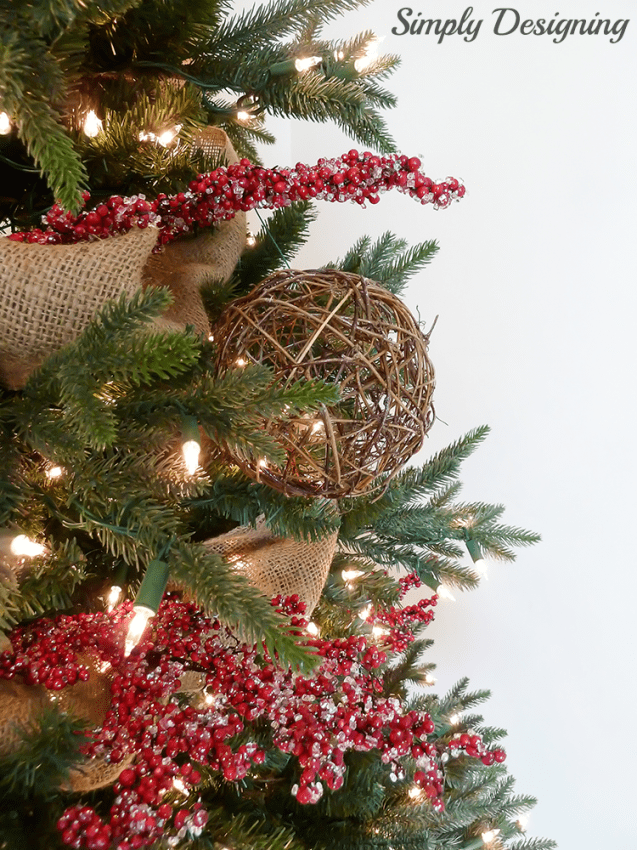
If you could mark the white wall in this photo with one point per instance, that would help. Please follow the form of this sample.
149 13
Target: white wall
535 288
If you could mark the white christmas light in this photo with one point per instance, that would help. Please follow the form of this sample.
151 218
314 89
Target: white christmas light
313 629
365 612
370 55
429 679
379 631
92 124
251 240
444 592
191 449
415 792
481 567
307 62
178 785
137 627
318 426
490 835
352 575
168 136
240 361
54 472
523 822
242 115
113 597
454 719
23 547
209 699
5 124
262 463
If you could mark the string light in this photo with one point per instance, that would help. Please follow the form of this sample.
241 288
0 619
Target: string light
370 55
454 719
251 240
444 592
313 629
92 124
479 564
490 835
240 361
169 136
307 63
351 575
523 822
113 597
179 786
147 602
54 472
365 612
191 446
429 679
23 547
242 115
5 124
379 631
415 792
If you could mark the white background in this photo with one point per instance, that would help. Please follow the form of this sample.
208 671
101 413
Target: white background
535 288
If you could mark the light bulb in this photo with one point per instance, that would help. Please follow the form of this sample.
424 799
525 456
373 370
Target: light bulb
24 547
307 62
251 240
490 835
444 592
365 612
313 629
262 463
481 567
379 631
240 361
5 124
209 698
54 472
454 719
179 786
92 124
338 54
191 449
415 792
242 115
168 136
370 55
523 822
351 575
318 426
137 627
429 679
113 597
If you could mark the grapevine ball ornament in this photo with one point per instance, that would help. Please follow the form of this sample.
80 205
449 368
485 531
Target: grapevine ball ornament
345 330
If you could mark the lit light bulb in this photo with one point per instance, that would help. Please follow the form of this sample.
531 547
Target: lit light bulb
429 679
379 631
338 54
365 612
168 136
313 629
318 426
481 567
24 547
307 62
211 337
490 835
251 240
209 699
113 597
262 463
523 822
5 124
352 575
92 124
240 361
137 627
370 55
444 592
242 115
54 472
454 719
415 792
179 786
191 449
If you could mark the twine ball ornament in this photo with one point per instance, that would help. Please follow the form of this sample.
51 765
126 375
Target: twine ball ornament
349 331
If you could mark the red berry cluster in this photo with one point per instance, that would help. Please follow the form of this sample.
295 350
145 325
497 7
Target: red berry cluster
316 719
399 621
473 746
406 583
220 194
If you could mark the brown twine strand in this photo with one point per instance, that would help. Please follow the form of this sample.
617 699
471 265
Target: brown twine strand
343 329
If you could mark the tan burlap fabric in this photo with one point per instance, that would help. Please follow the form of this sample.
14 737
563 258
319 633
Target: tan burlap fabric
185 265
49 293
277 564
21 705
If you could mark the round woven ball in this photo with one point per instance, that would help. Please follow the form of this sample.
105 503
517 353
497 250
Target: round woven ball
344 329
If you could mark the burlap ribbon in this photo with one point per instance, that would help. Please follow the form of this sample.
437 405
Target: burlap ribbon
185 265
278 564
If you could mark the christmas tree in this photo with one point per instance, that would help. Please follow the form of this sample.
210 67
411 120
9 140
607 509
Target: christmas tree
208 528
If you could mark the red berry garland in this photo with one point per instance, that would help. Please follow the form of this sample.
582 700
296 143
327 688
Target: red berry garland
317 719
213 197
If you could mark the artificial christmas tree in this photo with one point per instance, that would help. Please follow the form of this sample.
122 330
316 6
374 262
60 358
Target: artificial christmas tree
202 714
